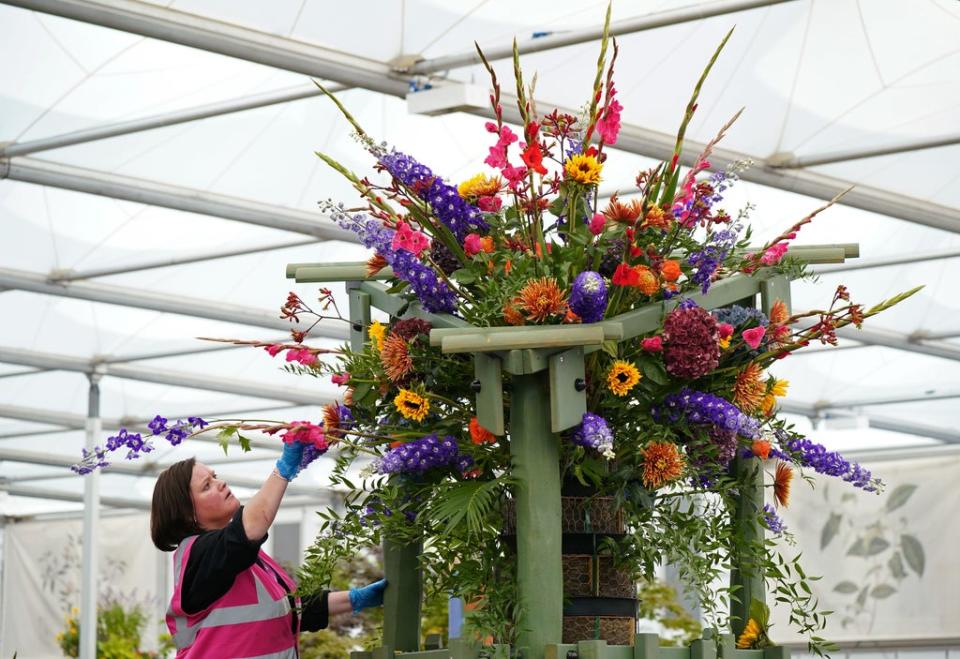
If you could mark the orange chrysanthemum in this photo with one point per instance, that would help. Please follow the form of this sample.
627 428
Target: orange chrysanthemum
627 213
779 315
662 464
479 434
781 484
749 389
542 298
647 282
395 357
512 315
670 270
375 264
657 218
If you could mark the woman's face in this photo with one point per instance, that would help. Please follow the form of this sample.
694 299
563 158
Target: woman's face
213 502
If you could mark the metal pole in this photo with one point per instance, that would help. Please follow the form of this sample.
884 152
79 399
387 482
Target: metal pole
909 259
91 522
857 154
574 37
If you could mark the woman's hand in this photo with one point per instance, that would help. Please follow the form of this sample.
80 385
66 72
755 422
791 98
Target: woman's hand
288 466
364 598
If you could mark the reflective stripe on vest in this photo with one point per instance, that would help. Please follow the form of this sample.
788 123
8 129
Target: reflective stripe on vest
266 608
284 654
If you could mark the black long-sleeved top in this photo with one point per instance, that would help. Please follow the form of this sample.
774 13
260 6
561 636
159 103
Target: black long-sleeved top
217 557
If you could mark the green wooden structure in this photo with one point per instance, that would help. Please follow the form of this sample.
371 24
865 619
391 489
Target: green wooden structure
548 397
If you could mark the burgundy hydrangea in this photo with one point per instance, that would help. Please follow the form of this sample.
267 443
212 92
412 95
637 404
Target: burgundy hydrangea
411 328
690 343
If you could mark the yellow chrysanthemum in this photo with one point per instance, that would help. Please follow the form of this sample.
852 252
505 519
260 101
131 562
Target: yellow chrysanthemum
411 405
775 389
623 377
779 388
583 169
480 186
750 636
377 333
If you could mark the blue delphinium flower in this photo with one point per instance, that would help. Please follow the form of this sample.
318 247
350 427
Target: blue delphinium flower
772 520
421 455
594 432
807 453
699 407
134 442
450 208
588 296
708 260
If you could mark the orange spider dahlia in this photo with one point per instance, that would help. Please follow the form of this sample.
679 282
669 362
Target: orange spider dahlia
749 389
542 298
662 463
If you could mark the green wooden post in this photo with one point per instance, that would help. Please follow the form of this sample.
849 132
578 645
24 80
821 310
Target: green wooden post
536 459
401 599
359 317
645 646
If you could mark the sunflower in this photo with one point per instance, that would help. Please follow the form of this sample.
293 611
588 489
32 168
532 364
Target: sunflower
583 169
411 405
395 357
542 298
480 186
662 463
781 484
377 332
749 389
750 636
623 377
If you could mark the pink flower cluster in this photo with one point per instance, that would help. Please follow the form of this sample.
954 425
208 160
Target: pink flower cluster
498 158
608 126
408 239
774 254
306 433
303 356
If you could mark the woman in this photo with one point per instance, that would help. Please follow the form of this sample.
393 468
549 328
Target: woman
230 598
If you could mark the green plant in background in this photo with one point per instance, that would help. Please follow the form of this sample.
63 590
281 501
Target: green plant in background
119 629
889 553
658 602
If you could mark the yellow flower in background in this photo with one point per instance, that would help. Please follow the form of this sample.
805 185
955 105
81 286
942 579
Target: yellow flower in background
750 636
623 377
779 388
377 333
775 389
480 185
412 405
724 343
583 169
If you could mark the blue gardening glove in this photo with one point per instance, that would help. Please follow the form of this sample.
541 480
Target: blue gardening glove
364 598
289 463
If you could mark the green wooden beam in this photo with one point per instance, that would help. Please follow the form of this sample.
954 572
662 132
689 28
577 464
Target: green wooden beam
494 339
488 372
536 458
308 273
612 330
746 577
567 402
359 319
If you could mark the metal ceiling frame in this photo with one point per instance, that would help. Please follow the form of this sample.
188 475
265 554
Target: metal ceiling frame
788 161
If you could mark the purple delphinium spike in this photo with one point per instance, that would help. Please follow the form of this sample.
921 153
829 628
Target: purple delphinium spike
594 432
588 296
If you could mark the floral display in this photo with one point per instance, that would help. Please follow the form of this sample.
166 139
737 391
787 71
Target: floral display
684 411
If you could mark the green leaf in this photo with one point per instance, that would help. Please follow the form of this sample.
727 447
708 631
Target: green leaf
244 443
882 592
361 391
610 347
862 597
846 587
471 502
896 566
900 496
655 371
858 548
464 276
223 437
759 612
830 528
913 553
874 547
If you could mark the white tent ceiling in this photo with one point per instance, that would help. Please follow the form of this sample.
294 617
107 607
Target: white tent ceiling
816 77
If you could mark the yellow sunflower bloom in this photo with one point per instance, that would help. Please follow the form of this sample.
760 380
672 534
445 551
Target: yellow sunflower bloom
377 332
623 377
750 636
480 186
411 405
583 169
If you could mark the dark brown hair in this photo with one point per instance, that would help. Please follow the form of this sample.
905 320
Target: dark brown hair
171 514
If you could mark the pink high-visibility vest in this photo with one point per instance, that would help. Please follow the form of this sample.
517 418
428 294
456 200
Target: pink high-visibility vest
251 621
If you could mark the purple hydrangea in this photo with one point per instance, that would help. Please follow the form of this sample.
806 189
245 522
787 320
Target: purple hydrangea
807 453
421 455
588 296
434 293
450 208
772 520
594 432
699 407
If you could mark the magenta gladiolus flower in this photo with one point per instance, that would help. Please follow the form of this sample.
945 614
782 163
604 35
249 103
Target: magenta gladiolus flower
340 379
753 336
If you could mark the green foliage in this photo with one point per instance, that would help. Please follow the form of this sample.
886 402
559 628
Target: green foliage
658 602
119 630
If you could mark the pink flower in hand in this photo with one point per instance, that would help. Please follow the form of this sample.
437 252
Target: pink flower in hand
753 336
652 344
340 379
597 224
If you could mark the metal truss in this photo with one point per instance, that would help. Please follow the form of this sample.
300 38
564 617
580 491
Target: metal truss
176 197
912 259
167 303
813 411
575 37
161 376
789 162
